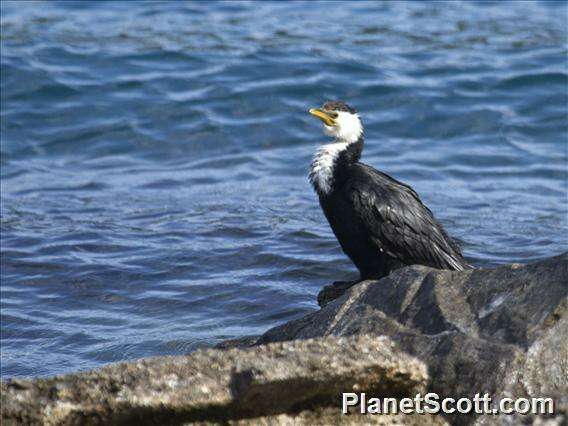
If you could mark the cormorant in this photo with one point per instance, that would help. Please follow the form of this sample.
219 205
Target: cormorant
380 223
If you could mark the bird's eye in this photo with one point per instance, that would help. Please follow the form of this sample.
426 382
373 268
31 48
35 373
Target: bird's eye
333 114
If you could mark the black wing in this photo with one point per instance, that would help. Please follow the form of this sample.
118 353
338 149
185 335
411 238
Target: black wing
398 223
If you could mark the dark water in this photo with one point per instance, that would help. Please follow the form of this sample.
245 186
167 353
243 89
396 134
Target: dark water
154 158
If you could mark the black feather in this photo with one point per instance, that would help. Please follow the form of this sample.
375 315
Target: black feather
338 106
381 223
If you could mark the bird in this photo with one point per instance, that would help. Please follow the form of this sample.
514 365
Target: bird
380 223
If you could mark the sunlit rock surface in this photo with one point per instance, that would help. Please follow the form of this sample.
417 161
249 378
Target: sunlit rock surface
278 383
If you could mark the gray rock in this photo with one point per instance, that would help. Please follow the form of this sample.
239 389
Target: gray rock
502 331
277 383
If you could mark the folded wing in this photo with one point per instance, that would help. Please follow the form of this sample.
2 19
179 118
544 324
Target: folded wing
399 224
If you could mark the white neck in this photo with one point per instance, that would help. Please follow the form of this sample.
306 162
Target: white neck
323 165
348 128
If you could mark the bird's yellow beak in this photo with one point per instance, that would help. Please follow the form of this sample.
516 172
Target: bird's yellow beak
323 116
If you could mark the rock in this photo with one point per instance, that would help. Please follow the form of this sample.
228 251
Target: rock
240 342
333 291
330 416
501 331
280 383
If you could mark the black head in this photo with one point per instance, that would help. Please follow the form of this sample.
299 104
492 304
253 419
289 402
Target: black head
338 106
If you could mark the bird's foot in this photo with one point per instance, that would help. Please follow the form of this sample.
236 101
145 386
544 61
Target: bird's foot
333 291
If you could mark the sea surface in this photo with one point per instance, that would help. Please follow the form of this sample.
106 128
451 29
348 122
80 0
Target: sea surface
154 158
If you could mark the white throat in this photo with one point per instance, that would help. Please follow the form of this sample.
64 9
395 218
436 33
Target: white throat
323 165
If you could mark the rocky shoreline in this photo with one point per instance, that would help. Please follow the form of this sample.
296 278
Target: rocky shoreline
501 331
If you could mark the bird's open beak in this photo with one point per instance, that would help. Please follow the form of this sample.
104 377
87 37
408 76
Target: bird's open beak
323 116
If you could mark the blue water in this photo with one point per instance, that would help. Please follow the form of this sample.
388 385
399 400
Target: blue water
154 158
